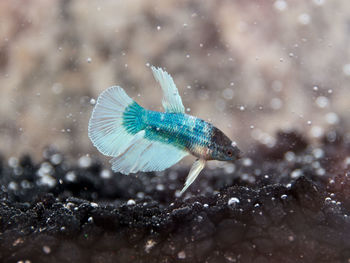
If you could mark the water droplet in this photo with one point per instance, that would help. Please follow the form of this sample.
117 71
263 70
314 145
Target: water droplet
159 28
280 5
88 60
332 118
92 101
304 19
181 254
284 196
315 88
131 202
46 249
322 102
233 201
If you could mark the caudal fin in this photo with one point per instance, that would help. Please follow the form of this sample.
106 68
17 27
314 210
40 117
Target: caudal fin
111 129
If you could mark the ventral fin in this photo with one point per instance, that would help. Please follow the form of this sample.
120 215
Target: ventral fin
171 99
196 168
145 155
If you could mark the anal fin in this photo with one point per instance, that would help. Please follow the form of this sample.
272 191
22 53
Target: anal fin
196 168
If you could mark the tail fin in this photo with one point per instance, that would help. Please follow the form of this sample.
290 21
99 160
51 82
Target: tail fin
114 121
117 129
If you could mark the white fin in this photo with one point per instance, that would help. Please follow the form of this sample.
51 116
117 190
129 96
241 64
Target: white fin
171 99
105 126
196 168
145 155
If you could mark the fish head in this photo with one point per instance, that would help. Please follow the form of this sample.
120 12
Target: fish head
223 149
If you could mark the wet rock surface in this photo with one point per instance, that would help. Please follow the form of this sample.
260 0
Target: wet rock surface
289 203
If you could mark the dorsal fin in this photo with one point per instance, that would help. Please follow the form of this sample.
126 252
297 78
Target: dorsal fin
171 99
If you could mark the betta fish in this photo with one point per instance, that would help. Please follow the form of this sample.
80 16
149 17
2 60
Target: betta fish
141 140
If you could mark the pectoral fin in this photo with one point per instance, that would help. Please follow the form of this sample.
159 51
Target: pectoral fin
196 168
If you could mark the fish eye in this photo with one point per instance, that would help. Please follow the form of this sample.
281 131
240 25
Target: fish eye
229 153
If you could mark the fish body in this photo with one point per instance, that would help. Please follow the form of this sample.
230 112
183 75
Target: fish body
143 140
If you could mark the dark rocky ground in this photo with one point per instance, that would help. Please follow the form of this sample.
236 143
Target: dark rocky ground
289 203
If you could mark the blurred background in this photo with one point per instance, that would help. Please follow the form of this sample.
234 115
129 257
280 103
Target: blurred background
249 67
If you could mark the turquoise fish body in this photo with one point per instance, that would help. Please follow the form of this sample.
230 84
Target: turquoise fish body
181 130
141 140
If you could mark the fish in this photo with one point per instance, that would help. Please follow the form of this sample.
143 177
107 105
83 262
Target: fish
142 140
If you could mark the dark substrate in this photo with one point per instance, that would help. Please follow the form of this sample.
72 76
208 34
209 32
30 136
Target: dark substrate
289 203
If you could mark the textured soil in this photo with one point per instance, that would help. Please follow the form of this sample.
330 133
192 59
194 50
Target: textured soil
289 203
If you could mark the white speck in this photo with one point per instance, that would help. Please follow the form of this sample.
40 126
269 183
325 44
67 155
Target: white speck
90 219
13 162
159 28
46 249
320 171
266 176
276 103
284 196
106 174
56 159
70 176
241 108
257 205
187 56
181 254
189 86
88 60
330 91
149 245
331 181
317 131
289 156
188 109
280 5
291 238
252 126
233 201
160 187
200 45
234 144
319 2
92 101
131 202
328 199
346 69
304 19
228 93
126 65
185 25
291 54
281 59
315 88
12 186
318 153
148 64
48 180
309 122
84 161
205 205
94 205
296 173
347 161
229 168
247 162
57 88
232 84
332 118
322 102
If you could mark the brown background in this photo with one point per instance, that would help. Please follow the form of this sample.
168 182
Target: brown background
250 67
